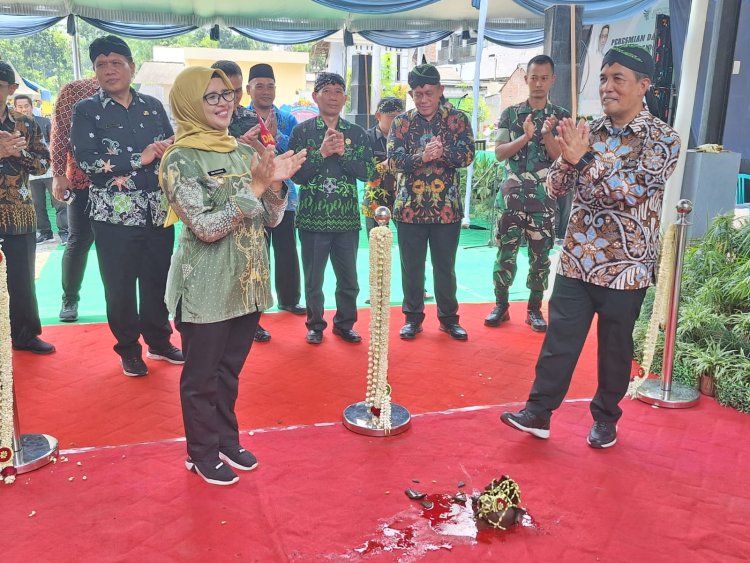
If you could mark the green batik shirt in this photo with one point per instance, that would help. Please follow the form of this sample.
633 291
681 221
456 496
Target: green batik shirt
328 201
220 268
523 188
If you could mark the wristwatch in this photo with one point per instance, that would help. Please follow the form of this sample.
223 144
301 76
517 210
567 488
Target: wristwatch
586 159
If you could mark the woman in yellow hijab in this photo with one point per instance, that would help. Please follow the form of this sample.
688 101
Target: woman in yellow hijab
218 284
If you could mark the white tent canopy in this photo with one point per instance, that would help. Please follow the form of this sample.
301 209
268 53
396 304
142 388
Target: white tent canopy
281 14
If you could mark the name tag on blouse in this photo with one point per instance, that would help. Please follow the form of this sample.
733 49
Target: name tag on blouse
217 172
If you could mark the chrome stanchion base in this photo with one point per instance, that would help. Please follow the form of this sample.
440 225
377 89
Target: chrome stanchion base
37 450
680 397
358 419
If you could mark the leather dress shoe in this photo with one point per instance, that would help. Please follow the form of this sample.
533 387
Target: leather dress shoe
455 330
293 309
261 335
536 320
410 330
347 334
498 315
36 346
314 336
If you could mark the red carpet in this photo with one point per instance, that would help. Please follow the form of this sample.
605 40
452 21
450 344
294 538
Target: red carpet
673 489
80 396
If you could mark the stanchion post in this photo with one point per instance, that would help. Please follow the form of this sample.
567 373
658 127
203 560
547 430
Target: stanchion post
368 417
664 392
26 451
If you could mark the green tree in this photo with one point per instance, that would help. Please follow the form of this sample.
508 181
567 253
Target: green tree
44 58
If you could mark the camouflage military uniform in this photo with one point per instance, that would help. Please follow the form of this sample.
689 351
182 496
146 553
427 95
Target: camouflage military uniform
527 210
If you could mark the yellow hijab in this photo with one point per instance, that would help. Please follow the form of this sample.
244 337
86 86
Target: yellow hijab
193 131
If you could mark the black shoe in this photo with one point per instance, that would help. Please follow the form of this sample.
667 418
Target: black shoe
43 237
213 472
347 334
410 330
239 458
294 309
314 336
536 320
171 354
36 346
498 315
63 237
526 421
455 330
134 366
602 435
69 312
261 335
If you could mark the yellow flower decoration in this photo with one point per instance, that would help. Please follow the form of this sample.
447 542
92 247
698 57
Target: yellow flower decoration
437 186
418 187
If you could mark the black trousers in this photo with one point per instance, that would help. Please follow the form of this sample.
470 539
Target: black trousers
40 187
285 261
342 249
20 256
214 355
76 254
571 310
412 245
130 256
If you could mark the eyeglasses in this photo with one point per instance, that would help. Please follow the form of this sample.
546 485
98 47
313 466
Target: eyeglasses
213 98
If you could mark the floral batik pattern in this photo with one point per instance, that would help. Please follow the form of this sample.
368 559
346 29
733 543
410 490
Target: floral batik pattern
108 140
613 233
430 192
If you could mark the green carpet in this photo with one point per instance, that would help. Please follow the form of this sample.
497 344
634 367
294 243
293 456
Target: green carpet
473 269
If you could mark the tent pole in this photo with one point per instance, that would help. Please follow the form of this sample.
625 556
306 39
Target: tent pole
475 106
685 102
573 66
76 49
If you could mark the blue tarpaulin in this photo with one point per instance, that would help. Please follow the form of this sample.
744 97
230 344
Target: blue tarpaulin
43 92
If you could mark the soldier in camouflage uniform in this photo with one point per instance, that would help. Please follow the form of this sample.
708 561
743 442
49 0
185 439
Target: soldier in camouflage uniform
525 140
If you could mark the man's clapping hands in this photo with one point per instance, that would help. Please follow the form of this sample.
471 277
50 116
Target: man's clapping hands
433 150
333 143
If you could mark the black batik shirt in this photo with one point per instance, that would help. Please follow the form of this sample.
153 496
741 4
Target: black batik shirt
107 140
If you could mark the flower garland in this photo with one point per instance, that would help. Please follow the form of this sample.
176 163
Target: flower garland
659 312
499 504
378 395
7 470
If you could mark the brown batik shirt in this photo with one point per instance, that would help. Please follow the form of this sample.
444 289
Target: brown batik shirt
613 235
16 208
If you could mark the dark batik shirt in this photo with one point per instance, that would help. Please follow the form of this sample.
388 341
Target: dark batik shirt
523 188
380 191
16 208
243 119
328 186
613 234
107 141
430 193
